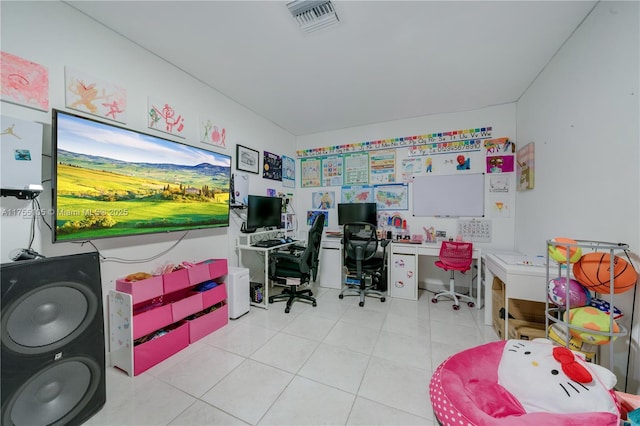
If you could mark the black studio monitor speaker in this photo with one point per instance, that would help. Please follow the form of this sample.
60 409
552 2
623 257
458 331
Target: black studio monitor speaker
53 343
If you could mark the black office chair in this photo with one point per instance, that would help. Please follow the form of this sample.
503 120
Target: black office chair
366 268
296 268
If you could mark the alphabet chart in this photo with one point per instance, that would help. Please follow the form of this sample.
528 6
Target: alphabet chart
475 230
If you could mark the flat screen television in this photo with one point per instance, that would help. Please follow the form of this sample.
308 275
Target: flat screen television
263 212
357 212
109 181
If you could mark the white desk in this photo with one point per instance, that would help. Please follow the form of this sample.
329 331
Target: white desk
523 277
244 247
403 265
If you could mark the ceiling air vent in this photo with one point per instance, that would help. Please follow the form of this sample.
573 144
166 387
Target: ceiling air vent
313 15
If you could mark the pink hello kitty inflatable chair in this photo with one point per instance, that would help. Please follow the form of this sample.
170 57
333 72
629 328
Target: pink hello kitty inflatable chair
522 382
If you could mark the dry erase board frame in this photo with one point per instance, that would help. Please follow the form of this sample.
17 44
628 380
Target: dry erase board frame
459 195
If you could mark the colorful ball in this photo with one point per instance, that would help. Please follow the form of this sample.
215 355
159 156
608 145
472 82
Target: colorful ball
605 307
557 293
593 271
558 252
592 319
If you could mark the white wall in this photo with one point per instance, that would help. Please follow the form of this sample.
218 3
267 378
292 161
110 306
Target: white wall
56 35
582 113
502 118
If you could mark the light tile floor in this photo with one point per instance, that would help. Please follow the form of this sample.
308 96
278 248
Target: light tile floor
335 364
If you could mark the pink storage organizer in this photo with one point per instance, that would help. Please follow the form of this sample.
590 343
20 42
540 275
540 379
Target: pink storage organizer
176 280
149 321
198 273
213 296
143 290
206 324
148 354
186 306
217 267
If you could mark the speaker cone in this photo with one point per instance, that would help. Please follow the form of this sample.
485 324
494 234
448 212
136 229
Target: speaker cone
55 394
48 317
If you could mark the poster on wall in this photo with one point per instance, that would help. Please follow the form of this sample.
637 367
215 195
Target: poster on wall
382 167
499 182
24 82
271 166
356 168
500 164
411 166
525 167
212 133
312 214
92 95
357 194
165 117
310 172
392 197
323 200
332 171
288 172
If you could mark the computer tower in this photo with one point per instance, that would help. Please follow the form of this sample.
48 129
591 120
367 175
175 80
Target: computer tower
238 294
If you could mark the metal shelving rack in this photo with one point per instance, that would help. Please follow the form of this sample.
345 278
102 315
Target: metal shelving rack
555 314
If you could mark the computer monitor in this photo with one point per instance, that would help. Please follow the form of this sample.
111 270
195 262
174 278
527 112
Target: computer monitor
357 212
263 212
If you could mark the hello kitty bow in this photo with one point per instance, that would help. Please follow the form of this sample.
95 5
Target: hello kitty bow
572 368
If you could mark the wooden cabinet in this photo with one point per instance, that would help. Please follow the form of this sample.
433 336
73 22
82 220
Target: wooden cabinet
153 319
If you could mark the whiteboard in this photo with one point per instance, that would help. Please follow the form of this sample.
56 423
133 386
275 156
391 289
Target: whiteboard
449 195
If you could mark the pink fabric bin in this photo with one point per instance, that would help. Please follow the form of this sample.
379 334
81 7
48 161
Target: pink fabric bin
213 296
151 320
154 351
217 267
188 306
206 324
141 291
175 281
198 274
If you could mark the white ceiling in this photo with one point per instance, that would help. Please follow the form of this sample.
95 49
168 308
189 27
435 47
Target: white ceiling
385 60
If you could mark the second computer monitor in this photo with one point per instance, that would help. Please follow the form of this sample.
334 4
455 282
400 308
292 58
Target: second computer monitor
357 212
263 212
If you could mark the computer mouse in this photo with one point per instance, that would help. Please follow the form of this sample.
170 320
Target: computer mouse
283 240
289 240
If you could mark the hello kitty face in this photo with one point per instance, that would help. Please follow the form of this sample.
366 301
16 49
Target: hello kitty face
548 378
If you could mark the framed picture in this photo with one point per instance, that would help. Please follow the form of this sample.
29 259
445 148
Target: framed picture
247 159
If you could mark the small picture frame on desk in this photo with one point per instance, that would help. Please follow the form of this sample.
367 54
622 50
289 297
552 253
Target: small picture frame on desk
247 159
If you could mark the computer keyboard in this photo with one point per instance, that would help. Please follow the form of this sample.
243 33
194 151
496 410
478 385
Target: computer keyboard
269 243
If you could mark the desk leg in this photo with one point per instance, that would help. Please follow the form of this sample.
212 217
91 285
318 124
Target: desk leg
479 282
488 297
265 300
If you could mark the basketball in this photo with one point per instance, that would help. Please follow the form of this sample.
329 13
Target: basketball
558 252
591 319
593 271
557 293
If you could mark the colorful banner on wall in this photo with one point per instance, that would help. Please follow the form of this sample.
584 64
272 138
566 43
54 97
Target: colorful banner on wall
407 141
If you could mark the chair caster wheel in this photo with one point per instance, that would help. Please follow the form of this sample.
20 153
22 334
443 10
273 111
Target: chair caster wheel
382 299
361 304
340 296
434 300
286 310
314 304
456 307
270 301
310 293
471 304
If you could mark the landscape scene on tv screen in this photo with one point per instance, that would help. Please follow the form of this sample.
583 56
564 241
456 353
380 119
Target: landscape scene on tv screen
110 181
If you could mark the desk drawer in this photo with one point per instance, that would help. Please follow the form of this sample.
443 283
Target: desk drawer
403 249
